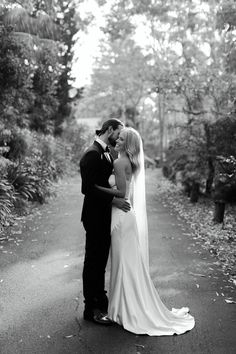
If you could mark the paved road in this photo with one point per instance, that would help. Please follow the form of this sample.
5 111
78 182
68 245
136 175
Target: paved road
40 285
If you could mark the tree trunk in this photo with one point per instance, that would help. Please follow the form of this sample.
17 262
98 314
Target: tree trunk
161 125
210 177
211 168
219 212
194 194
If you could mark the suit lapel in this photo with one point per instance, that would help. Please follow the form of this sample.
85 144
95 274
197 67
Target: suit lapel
103 153
97 145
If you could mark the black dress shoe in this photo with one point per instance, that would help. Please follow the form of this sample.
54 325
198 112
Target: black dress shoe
102 319
97 317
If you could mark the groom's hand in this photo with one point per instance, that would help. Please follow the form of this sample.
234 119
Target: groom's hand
121 203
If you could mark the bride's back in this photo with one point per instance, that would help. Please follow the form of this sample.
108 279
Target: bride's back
124 164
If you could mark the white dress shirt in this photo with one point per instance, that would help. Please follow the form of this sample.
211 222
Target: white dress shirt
104 145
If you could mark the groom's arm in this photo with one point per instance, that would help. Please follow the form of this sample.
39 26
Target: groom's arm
89 169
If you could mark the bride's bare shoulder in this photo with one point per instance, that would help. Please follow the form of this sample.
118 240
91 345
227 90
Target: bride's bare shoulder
121 162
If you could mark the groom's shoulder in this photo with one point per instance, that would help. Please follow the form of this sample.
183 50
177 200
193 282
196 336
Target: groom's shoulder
92 150
93 147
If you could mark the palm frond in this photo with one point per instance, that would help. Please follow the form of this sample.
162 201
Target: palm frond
33 42
41 26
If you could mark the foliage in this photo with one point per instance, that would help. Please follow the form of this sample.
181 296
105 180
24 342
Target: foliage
6 202
188 69
218 239
36 52
30 174
117 87
225 179
203 146
30 181
224 135
77 137
36 41
15 83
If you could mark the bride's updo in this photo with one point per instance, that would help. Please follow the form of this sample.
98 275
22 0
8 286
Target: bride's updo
133 144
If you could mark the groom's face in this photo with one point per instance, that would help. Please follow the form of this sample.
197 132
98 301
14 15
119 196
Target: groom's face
114 135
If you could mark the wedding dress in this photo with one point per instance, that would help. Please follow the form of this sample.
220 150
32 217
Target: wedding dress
133 300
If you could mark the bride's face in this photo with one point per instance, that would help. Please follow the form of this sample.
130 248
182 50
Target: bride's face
120 142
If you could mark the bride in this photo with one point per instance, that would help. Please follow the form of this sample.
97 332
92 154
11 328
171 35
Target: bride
133 301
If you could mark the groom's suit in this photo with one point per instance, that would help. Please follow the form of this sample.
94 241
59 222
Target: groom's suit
96 167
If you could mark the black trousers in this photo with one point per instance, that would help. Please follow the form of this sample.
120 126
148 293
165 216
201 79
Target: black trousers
98 240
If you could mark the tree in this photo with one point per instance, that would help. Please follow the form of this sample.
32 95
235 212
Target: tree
118 87
43 36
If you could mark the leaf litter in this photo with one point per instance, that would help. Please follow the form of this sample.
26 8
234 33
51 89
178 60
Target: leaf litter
218 239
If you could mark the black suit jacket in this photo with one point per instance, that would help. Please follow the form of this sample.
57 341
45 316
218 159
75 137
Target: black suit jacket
95 169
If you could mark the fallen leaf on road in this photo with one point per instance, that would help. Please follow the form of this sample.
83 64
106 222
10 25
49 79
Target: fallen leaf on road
140 345
230 301
197 285
3 239
70 336
197 274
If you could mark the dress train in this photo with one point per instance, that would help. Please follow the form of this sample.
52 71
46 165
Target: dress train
134 302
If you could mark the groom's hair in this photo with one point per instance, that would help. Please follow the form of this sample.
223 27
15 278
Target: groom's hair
113 122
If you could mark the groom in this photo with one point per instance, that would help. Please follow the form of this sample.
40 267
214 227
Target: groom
96 166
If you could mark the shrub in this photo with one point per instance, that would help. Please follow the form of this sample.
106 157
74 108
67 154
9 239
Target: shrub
6 202
77 138
31 179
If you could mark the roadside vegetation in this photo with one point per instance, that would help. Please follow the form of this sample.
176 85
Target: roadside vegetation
217 238
40 140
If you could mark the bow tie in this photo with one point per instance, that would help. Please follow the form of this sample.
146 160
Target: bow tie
107 149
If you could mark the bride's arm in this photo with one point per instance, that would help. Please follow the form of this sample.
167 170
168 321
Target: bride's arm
119 171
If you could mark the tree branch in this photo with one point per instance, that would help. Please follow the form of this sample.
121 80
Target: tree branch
194 113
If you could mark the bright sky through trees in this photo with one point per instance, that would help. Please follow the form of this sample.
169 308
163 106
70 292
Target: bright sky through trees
87 45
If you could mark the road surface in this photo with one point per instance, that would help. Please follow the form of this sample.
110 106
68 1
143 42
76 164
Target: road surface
41 301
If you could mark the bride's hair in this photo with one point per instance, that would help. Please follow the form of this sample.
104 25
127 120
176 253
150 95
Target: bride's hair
133 145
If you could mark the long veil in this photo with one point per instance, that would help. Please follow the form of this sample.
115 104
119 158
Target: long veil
139 205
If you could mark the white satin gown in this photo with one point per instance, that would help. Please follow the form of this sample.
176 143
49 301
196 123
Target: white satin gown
133 300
